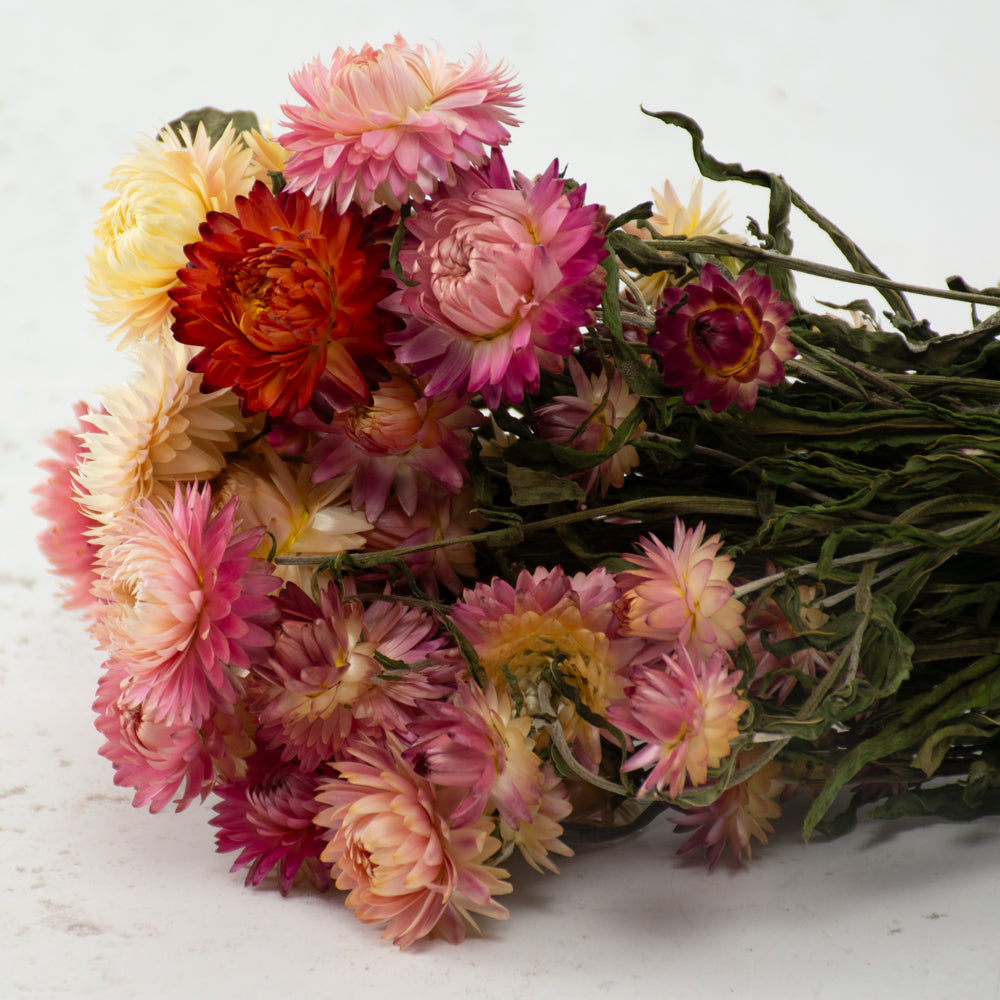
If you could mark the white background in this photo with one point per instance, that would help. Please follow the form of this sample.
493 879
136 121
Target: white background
882 114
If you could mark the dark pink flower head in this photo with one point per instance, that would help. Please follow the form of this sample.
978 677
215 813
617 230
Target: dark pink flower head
725 340
323 684
186 606
65 542
386 125
268 817
403 441
507 271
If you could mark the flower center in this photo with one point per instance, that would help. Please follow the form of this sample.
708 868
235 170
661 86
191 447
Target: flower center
723 340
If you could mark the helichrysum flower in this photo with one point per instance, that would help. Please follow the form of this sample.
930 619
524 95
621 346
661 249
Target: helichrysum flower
282 298
682 596
162 194
720 340
323 684
395 851
740 813
402 441
267 815
507 270
184 606
671 217
66 541
153 432
588 420
684 715
387 125
551 621
164 761
299 517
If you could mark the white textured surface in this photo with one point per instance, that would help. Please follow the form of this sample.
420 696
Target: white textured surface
883 114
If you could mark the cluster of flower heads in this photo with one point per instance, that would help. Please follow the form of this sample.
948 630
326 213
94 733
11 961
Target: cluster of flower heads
305 390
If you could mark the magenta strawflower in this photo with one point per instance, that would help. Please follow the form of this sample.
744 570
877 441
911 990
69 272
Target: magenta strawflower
267 816
387 125
682 596
395 851
720 340
684 715
403 441
507 271
323 685
184 605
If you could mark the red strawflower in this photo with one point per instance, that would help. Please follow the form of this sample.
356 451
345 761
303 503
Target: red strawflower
720 340
283 299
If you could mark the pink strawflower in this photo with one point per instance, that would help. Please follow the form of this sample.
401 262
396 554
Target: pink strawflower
438 516
507 271
538 837
323 686
403 442
184 605
551 621
739 813
475 743
684 716
267 816
776 677
65 543
588 420
158 758
726 339
682 596
387 125
403 863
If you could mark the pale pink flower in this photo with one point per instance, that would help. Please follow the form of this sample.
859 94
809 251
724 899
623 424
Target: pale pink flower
739 813
402 442
65 542
184 605
721 340
588 420
438 516
323 684
538 837
684 716
395 851
551 621
161 760
474 742
387 125
507 271
682 596
267 815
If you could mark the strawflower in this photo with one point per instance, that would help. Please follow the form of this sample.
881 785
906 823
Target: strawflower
737 815
721 340
387 125
685 715
184 605
283 298
507 270
162 194
267 815
682 596
395 851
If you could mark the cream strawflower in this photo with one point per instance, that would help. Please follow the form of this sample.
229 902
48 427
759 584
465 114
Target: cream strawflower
155 430
162 193
299 517
671 217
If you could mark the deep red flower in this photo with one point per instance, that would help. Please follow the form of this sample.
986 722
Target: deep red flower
720 340
283 298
